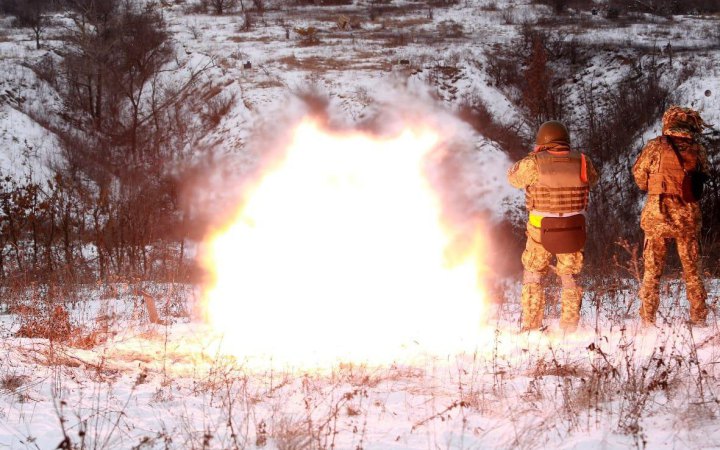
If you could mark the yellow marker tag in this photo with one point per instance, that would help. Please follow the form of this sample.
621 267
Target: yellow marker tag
535 220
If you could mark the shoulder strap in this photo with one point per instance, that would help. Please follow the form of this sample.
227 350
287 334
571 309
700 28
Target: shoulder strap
583 168
677 152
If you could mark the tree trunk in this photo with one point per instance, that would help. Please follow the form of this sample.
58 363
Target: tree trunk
66 225
98 98
2 261
90 96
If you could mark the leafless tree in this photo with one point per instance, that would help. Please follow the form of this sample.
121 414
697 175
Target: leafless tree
31 14
128 129
222 6
140 53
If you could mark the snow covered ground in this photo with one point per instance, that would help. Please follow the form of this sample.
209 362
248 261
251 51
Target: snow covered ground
610 385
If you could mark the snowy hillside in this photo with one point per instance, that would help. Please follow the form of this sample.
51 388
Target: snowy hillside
82 367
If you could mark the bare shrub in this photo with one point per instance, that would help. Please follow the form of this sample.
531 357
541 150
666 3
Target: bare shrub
46 70
543 101
291 434
502 68
221 7
397 39
562 6
613 12
673 7
199 7
247 22
476 112
641 383
218 106
600 382
334 2
12 382
490 6
555 368
308 35
450 29
441 3
508 16
558 6
46 320
524 72
710 205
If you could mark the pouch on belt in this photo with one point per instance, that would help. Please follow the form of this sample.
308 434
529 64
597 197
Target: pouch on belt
563 234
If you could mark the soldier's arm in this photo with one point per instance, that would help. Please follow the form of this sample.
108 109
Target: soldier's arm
592 173
703 160
523 173
642 168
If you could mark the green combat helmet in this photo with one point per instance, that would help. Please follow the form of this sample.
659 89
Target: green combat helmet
682 122
552 133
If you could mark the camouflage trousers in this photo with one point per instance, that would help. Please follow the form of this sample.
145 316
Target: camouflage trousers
654 254
536 261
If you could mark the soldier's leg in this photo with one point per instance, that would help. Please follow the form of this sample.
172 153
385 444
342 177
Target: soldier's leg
689 252
569 266
654 261
535 260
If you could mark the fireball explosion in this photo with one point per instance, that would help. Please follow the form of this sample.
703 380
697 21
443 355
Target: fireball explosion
340 252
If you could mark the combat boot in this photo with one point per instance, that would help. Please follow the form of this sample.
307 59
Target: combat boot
698 308
649 302
698 322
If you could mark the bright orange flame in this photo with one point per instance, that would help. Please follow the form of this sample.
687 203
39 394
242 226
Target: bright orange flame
340 253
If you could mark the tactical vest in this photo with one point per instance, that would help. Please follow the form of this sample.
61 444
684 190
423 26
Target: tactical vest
562 186
669 178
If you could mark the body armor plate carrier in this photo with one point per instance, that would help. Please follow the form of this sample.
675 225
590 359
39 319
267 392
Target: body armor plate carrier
670 176
562 192
561 187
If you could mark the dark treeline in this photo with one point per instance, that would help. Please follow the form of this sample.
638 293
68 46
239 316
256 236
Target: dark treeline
614 8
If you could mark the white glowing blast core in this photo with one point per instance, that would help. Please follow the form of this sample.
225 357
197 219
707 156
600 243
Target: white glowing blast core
339 253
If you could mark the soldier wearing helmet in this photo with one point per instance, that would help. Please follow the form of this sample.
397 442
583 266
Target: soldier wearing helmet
667 169
557 181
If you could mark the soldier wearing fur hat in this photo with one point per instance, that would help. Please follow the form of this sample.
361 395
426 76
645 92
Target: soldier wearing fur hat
557 181
672 169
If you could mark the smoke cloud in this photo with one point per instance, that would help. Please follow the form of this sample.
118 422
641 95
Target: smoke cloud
469 174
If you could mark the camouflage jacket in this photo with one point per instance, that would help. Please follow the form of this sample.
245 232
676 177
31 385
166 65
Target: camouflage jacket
649 160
